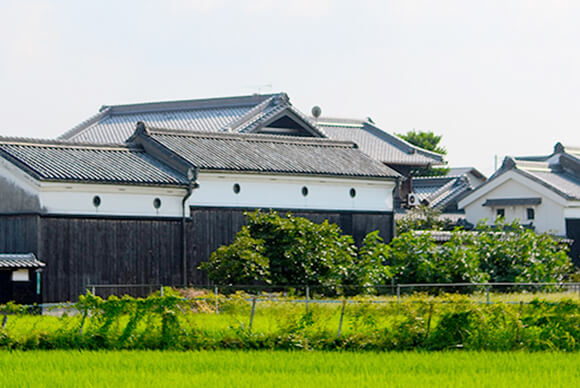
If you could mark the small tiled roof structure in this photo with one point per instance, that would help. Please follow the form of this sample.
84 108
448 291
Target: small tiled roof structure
57 161
442 192
258 153
19 261
240 114
377 143
558 172
475 177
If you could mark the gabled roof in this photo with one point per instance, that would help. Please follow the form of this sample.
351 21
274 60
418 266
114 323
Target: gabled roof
377 143
58 161
457 171
19 260
558 172
442 192
258 153
241 114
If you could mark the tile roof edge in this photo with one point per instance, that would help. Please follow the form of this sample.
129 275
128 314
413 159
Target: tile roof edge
548 185
414 148
252 137
84 124
204 103
250 116
56 143
315 174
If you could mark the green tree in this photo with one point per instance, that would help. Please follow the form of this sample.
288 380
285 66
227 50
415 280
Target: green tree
430 142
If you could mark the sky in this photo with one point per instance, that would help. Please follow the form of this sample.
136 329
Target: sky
492 77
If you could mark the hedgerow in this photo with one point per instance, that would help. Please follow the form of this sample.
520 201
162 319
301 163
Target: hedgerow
289 251
421 322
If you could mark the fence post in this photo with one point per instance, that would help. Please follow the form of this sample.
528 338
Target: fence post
341 317
253 311
4 320
161 291
93 290
215 291
398 293
487 294
429 320
307 297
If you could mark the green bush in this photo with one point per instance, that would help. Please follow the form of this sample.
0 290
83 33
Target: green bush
293 251
290 251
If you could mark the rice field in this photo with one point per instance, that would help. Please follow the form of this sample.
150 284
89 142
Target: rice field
287 369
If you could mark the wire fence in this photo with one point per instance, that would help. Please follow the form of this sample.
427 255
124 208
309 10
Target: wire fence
215 296
486 292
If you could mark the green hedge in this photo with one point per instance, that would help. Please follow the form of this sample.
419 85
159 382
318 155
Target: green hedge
171 322
290 251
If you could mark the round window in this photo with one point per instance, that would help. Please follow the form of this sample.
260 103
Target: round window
96 201
157 203
304 191
352 193
237 188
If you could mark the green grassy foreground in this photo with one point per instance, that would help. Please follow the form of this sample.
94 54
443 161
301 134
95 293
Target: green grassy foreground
287 369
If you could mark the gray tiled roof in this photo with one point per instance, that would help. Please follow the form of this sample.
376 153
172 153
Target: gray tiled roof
559 172
62 161
115 124
19 260
264 153
562 182
377 143
442 192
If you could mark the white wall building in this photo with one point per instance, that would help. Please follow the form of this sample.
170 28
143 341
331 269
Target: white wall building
543 191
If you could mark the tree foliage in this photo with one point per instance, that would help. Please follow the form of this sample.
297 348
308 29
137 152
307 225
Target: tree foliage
424 139
430 142
423 217
293 251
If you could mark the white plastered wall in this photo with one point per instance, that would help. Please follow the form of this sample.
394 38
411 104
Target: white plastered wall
271 191
549 214
216 190
115 200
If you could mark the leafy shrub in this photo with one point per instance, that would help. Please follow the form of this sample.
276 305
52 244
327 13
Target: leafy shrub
512 253
290 251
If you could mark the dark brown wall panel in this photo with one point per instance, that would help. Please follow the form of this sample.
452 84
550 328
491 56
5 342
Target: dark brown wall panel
87 250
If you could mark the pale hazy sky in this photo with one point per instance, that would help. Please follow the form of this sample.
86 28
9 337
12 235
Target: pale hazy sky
492 77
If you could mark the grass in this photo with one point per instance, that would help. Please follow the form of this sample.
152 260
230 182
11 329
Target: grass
287 369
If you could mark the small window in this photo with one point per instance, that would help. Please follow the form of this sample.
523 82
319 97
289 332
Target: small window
304 191
20 275
501 213
531 213
157 203
96 201
352 193
237 188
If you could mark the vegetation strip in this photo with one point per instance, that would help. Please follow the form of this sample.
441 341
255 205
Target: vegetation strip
421 322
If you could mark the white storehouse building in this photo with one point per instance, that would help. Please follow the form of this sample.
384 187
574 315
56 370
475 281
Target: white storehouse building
543 191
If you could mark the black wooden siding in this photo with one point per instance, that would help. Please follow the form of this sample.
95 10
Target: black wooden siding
573 232
88 250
